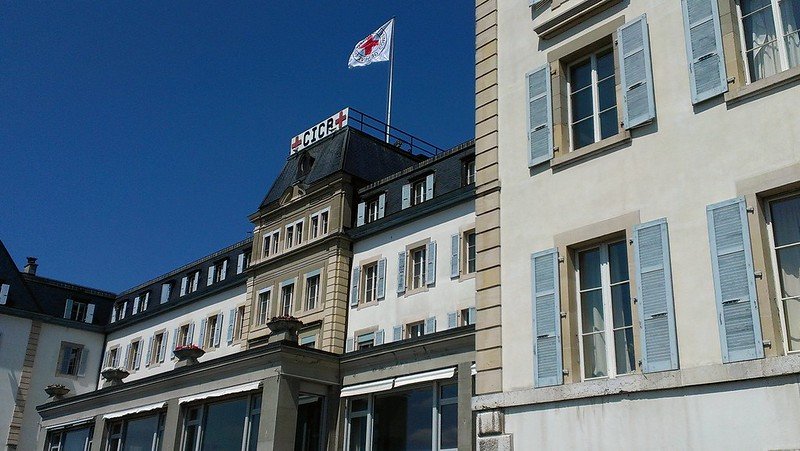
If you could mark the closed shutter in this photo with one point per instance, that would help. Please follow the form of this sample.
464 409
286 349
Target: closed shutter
547 366
381 288
406 196
231 323
165 288
162 349
136 304
707 75
362 207
401 272
540 116
210 279
381 205
654 288
638 100
472 312
430 325
184 281
454 253
452 320
90 313
349 345
240 264
397 333
223 272
379 337
201 338
218 330
4 293
354 286
429 187
734 282
149 352
83 362
430 256
68 308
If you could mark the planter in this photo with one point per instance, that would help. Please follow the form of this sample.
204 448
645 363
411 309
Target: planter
188 355
114 376
56 391
284 328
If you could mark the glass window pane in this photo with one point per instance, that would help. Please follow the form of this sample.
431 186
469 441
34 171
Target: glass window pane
789 271
582 106
358 434
594 355
589 266
403 421
606 94
609 123
448 391
748 6
605 64
358 405
583 133
580 75
76 439
592 311
786 220
621 305
140 434
791 310
618 261
623 348
449 426
790 16
223 427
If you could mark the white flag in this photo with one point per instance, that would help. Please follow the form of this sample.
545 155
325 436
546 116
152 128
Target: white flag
374 48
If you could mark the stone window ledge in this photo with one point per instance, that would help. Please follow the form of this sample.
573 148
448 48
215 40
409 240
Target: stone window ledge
763 86
634 383
571 17
619 139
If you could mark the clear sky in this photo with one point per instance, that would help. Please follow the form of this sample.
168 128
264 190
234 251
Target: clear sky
137 136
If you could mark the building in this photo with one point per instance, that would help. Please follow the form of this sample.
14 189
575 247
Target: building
637 163
51 333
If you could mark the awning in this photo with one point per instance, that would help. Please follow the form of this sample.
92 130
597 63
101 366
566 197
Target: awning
68 424
369 387
445 373
221 392
139 409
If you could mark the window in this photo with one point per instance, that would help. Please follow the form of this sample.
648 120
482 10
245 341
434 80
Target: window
75 310
770 35
112 358
471 254
298 233
158 349
271 243
468 172
314 231
414 330
370 283
289 236
118 312
190 283
418 267
141 302
323 222
212 332
606 323
267 246
448 416
276 236
134 355
309 341
319 224
228 424
246 257
287 298
263 306
418 192
71 360
784 228
365 341
136 433
465 317
592 99
73 439
372 210
312 292
184 336
166 291
238 328
220 270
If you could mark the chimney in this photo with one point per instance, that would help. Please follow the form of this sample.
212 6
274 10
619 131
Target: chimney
30 268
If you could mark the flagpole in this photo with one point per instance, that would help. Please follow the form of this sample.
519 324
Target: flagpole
391 73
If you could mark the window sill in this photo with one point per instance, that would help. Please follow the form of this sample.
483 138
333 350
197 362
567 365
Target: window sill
363 305
467 276
762 86
575 156
416 291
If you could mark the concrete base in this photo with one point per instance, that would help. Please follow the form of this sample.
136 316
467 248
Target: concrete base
496 443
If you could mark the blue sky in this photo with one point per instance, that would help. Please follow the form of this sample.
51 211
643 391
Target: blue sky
138 136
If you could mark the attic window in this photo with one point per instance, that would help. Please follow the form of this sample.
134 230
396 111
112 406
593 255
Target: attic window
306 161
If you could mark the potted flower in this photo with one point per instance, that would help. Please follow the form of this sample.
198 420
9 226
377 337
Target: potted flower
56 391
285 327
114 376
188 355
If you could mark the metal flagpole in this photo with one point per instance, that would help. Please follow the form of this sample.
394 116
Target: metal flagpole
391 72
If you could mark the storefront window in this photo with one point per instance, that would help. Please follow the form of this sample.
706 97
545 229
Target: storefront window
136 434
309 423
223 424
75 439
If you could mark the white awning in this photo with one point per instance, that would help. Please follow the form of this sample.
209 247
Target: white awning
221 392
67 424
369 387
445 373
139 409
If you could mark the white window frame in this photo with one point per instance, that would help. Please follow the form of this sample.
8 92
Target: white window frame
469 171
594 86
308 293
418 191
365 338
156 348
372 208
130 359
777 21
414 276
370 291
201 417
239 324
415 324
282 305
263 313
212 324
776 269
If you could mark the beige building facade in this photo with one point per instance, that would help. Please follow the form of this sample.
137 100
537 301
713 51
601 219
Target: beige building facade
637 163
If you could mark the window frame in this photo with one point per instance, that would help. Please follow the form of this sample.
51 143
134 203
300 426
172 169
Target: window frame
773 261
468 171
130 358
212 323
159 339
253 410
239 325
418 190
413 276
368 287
414 325
594 86
465 251
317 291
183 335
79 348
78 311
287 288
264 313
777 22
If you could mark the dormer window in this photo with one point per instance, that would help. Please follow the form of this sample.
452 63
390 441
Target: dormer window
306 161
371 209
118 312
141 302
468 172
418 191
78 311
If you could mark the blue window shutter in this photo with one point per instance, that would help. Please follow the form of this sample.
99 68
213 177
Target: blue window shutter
547 366
734 282
430 325
139 352
430 256
162 349
381 205
349 345
190 334
149 351
231 323
223 271
218 330
68 308
201 338
472 315
429 187
82 363
638 99
175 333
240 264
406 195
401 272
379 337
210 279
354 286
362 207
381 289
90 313
184 280
707 75
452 320
540 116
4 293
654 290
454 251
128 365
397 333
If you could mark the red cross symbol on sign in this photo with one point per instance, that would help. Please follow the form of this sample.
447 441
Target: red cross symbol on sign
296 143
339 120
369 44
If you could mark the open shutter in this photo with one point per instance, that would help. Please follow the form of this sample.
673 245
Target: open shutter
406 196
184 281
83 361
540 116
707 75
218 330
162 349
454 251
362 207
128 364
202 336
164 292
429 187
452 320
240 264
430 272
654 288
734 282
196 283
381 288
90 313
190 335
68 308
471 319
231 323
397 333
354 286
149 352
4 293
138 363
401 272
211 270
379 337
638 100
430 325
175 344
223 272
136 302
547 366
349 345
381 205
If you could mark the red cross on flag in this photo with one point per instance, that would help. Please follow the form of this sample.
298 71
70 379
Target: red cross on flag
374 48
